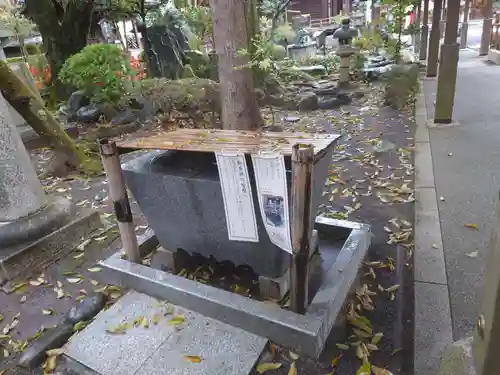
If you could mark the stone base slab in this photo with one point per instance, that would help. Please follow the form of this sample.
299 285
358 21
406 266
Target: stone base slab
32 257
53 216
155 346
305 334
436 125
494 56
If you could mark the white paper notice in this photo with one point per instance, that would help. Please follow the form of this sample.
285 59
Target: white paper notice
270 176
237 193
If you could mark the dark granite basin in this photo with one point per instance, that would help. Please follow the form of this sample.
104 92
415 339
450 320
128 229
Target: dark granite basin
180 195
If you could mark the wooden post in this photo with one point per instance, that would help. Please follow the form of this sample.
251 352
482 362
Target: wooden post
424 37
118 194
302 169
432 59
486 344
487 11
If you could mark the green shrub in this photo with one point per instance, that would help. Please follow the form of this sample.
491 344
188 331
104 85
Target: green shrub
102 71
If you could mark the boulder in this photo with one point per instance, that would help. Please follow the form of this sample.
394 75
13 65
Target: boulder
76 101
89 113
86 309
125 116
312 70
307 101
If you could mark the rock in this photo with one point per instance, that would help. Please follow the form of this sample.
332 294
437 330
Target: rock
86 309
272 128
124 117
329 103
312 70
100 196
76 101
308 101
344 98
89 113
54 338
291 118
333 103
327 91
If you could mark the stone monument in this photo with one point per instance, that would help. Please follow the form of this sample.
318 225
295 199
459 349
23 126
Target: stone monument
27 214
345 35
303 47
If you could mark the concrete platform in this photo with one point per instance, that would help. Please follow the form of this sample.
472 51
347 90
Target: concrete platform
161 347
23 260
306 333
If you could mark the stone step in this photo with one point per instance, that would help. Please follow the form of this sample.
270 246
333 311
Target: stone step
160 347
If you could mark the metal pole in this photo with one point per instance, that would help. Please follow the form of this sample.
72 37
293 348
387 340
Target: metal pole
465 25
486 344
424 38
432 60
118 193
487 26
301 224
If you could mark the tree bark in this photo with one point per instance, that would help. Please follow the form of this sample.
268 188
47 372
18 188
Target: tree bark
64 30
32 109
239 103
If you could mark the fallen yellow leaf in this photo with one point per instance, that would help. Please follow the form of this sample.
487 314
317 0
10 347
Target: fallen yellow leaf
472 226
50 364
176 320
192 358
380 371
54 352
263 367
293 369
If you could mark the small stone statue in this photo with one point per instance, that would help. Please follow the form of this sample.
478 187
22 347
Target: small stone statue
345 33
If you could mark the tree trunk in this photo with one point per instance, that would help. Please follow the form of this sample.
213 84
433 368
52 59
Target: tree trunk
32 109
239 103
64 30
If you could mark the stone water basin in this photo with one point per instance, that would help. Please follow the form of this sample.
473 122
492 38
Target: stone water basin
179 192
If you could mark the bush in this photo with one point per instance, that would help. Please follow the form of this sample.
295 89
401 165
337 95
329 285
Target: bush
101 71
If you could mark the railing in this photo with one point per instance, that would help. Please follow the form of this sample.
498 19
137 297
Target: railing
356 20
495 33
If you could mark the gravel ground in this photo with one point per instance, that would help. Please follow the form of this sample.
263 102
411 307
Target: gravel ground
371 181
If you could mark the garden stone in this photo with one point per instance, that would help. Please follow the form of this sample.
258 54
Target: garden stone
308 101
76 101
329 103
86 309
291 118
89 113
273 128
124 117
54 338
312 69
327 91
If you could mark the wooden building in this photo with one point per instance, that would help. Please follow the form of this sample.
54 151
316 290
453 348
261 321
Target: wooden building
319 8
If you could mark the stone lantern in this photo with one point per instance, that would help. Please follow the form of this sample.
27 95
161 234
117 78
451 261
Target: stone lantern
345 35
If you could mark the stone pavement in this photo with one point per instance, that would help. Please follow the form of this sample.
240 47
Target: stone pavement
457 182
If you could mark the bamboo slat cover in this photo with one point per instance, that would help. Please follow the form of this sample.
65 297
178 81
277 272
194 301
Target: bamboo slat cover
213 140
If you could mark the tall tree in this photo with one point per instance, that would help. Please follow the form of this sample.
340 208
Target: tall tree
240 109
64 26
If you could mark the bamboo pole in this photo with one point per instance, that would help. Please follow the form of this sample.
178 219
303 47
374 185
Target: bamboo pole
302 169
118 193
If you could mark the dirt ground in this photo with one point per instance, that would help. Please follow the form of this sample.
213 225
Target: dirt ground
370 181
